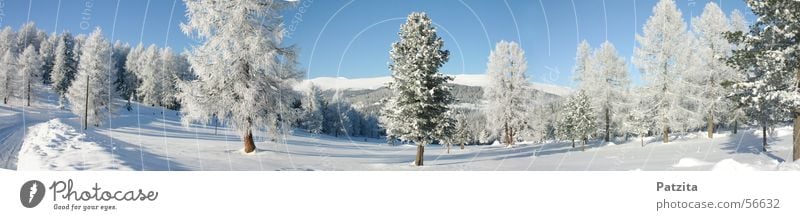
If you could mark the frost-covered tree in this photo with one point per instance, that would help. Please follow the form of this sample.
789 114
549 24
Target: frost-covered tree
243 70
605 77
583 72
313 109
506 92
577 119
150 74
88 93
8 76
419 95
47 52
738 24
662 56
126 81
462 132
133 67
173 70
337 120
710 69
30 68
28 35
8 40
64 65
638 120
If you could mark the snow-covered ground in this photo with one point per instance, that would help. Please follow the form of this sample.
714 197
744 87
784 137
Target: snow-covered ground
144 139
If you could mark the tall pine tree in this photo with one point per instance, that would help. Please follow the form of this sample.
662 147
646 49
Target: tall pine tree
420 97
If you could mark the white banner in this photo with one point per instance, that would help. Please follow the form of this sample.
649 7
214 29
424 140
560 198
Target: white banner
399 195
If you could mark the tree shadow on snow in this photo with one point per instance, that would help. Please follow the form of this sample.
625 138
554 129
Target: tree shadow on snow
748 143
133 156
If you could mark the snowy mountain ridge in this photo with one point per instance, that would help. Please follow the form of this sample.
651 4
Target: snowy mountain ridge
371 83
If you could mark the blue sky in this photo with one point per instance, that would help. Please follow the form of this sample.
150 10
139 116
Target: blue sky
352 38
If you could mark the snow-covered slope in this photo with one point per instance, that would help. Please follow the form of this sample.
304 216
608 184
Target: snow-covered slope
480 80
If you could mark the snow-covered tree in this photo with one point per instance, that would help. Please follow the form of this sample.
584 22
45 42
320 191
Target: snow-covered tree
30 67
8 40
638 120
738 24
78 42
133 67
768 54
506 92
64 65
173 70
710 69
243 70
313 109
47 52
8 76
150 75
605 77
88 93
462 134
419 95
578 119
583 72
28 35
337 119
126 81
662 56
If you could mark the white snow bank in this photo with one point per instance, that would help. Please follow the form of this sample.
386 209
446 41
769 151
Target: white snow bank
793 166
690 162
732 165
784 131
54 145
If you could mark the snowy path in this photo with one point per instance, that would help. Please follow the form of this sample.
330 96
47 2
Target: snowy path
13 128
11 134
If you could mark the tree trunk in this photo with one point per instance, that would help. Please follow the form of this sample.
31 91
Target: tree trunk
764 138
710 125
29 94
796 131
462 146
448 148
86 105
573 143
507 134
736 126
420 153
608 126
249 145
666 134
583 146
796 138
642 138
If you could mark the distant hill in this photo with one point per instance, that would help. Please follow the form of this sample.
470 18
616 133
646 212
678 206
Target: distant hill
365 93
374 83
